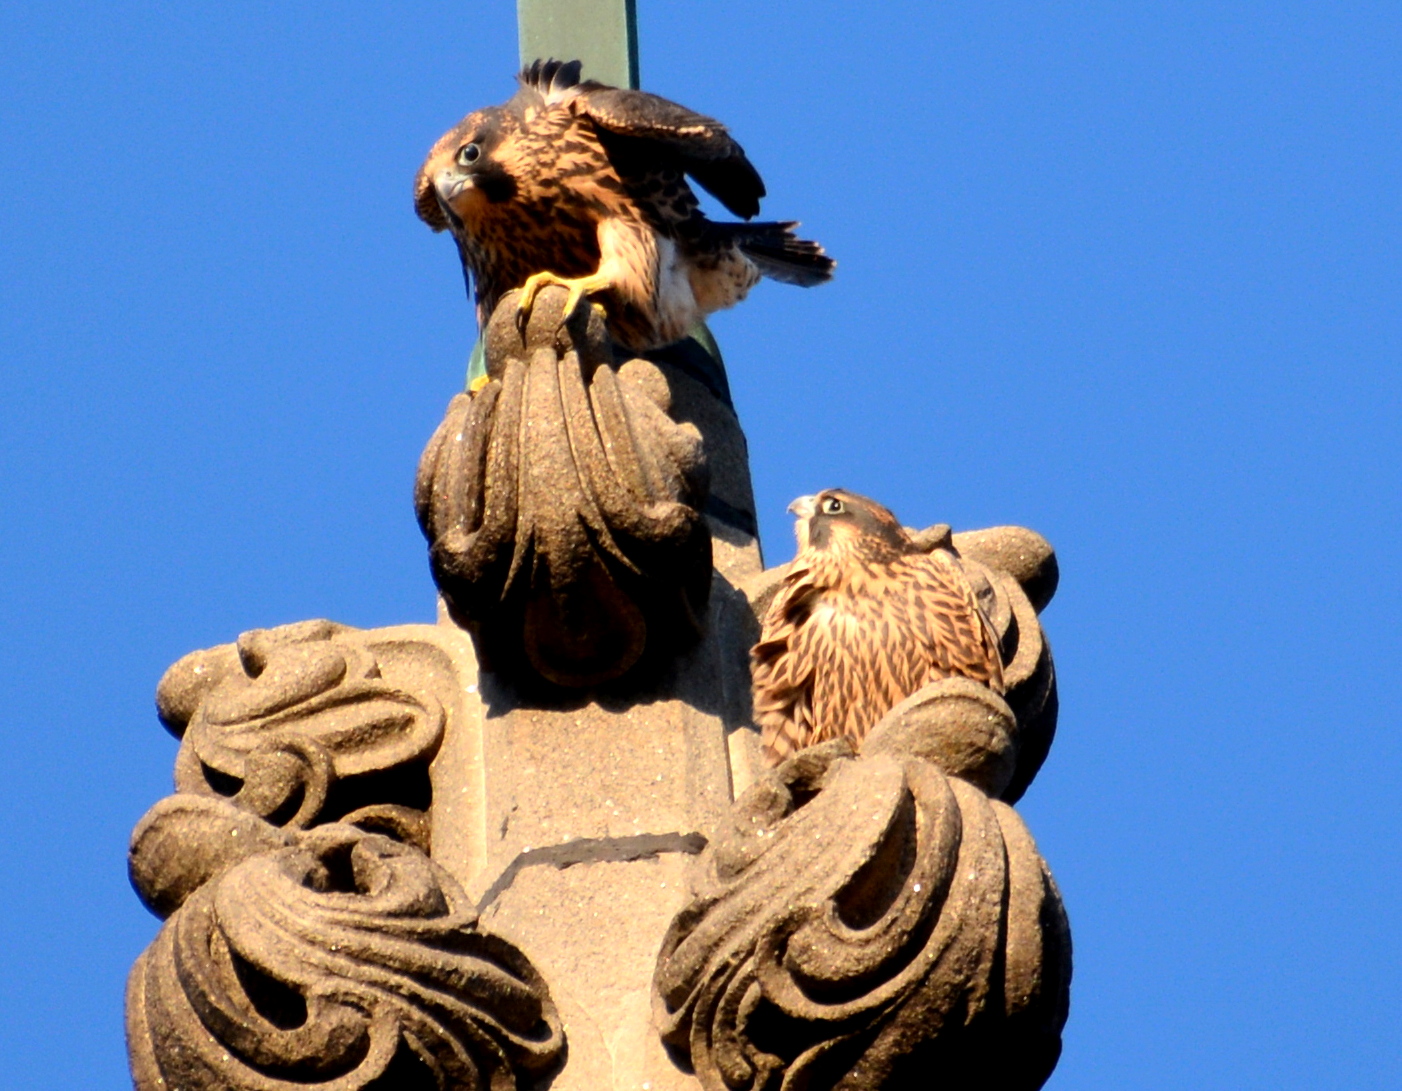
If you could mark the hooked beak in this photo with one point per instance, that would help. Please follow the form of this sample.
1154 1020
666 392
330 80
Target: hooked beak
449 183
804 506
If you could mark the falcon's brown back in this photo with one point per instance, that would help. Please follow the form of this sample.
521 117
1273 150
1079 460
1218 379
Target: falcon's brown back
863 619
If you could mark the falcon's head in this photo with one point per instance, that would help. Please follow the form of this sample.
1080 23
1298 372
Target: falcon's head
464 172
836 521
468 169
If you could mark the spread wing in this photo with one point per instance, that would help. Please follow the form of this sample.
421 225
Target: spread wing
654 129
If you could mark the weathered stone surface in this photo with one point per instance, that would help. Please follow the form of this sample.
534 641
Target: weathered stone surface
700 396
574 828
963 728
314 721
592 929
868 923
1023 554
343 960
186 840
562 505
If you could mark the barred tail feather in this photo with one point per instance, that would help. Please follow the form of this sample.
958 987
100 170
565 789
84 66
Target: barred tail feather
781 255
551 78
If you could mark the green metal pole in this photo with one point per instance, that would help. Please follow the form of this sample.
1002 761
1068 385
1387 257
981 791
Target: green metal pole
601 33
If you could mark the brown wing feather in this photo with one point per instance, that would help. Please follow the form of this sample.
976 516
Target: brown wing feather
836 655
661 130
956 636
782 679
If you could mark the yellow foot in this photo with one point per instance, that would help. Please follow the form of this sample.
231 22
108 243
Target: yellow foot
579 287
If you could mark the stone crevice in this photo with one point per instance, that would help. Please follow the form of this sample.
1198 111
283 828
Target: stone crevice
594 850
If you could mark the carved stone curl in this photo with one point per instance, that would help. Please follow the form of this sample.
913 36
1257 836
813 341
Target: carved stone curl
868 923
562 505
342 960
301 724
301 951
884 920
288 727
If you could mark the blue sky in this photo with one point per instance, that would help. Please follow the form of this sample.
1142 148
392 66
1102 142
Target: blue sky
1124 273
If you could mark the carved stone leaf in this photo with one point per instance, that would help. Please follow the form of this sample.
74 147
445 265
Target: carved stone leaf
868 923
345 961
562 505
284 716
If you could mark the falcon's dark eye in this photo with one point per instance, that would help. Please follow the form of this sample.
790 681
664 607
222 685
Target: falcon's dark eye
833 506
469 154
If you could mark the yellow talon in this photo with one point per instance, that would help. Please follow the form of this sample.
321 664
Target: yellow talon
577 291
478 383
534 283
529 290
579 287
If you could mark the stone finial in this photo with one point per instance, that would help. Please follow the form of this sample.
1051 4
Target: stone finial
562 505
872 920
343 959
868 923
309 939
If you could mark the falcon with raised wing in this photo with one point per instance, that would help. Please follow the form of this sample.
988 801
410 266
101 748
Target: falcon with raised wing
583 185
863 618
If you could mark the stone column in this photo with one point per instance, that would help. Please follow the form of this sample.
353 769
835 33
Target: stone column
575 826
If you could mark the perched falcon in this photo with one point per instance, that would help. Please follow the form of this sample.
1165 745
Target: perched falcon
583 185
862 620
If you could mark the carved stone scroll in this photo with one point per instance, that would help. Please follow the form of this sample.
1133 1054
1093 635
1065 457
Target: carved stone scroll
868 923
311 722
562 505
343 960
884 920
310 941
1015 573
